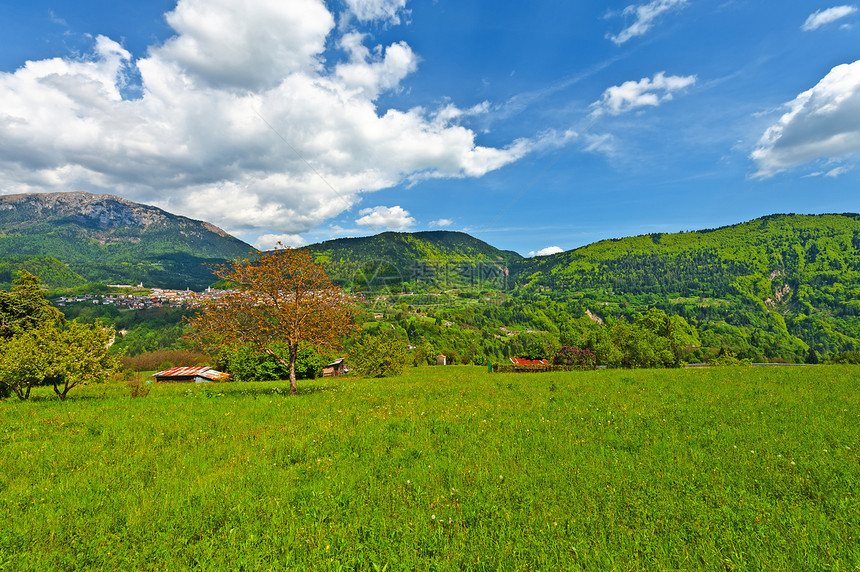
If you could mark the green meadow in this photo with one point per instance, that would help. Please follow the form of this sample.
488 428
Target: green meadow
443 468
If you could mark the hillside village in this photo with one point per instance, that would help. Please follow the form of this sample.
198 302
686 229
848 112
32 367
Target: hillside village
154 298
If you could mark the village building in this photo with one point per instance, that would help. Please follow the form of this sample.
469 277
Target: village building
335 368
523 365
201 374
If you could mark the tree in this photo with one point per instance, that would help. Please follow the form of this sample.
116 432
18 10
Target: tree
25 307
81 355
283 298
378 356
65 354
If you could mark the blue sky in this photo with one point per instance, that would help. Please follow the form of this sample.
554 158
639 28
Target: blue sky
531 125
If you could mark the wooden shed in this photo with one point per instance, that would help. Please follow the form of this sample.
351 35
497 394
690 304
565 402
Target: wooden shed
201 374
522 364
441 360
335 368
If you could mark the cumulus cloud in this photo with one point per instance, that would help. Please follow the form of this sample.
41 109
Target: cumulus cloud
644 17
383 10
828 16
546 251
441 223
645 92
237 120
820 123
270 241
387 218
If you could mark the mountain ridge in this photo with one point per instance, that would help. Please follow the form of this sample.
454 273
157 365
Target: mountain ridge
106 238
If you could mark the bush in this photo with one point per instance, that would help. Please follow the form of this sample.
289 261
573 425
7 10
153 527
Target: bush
137 387
728 358
849 357
575 357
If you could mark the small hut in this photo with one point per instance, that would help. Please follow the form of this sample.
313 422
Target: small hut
335 368
201 374
441 360
522 364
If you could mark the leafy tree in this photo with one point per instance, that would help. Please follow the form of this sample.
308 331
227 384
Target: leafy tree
378 356
424 353
246 363
283 298
25 307
64 354
80 356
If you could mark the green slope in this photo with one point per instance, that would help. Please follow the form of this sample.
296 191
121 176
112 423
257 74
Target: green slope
791 277
436 258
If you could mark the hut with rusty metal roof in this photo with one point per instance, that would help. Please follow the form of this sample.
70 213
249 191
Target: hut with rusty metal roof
201 374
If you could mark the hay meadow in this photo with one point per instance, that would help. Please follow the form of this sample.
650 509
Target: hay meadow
442 468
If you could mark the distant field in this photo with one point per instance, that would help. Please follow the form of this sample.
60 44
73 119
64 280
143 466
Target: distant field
442 469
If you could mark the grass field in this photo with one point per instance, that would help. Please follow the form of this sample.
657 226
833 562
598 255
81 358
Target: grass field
442 469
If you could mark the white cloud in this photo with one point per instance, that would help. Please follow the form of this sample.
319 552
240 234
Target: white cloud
238 122
246 44
645 92
385 10
546 251
828 16
601 143
821 123
373 73
837 171
388 218
442 222
644 17
270 241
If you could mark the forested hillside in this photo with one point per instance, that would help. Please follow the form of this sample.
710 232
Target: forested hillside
782 287
411 260
778 283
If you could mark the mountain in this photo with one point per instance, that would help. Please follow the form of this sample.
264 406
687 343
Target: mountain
779 287
108 239
390 258
779 283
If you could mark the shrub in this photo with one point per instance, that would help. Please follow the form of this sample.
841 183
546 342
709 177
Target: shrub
849 357
728 358
575 357
137 387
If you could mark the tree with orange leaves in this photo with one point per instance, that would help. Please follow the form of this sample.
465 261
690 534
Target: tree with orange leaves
283 297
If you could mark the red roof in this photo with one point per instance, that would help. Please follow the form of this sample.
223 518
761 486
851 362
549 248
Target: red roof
524 361
199 371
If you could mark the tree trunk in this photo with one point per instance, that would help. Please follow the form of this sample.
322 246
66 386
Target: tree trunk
291 364
294 352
